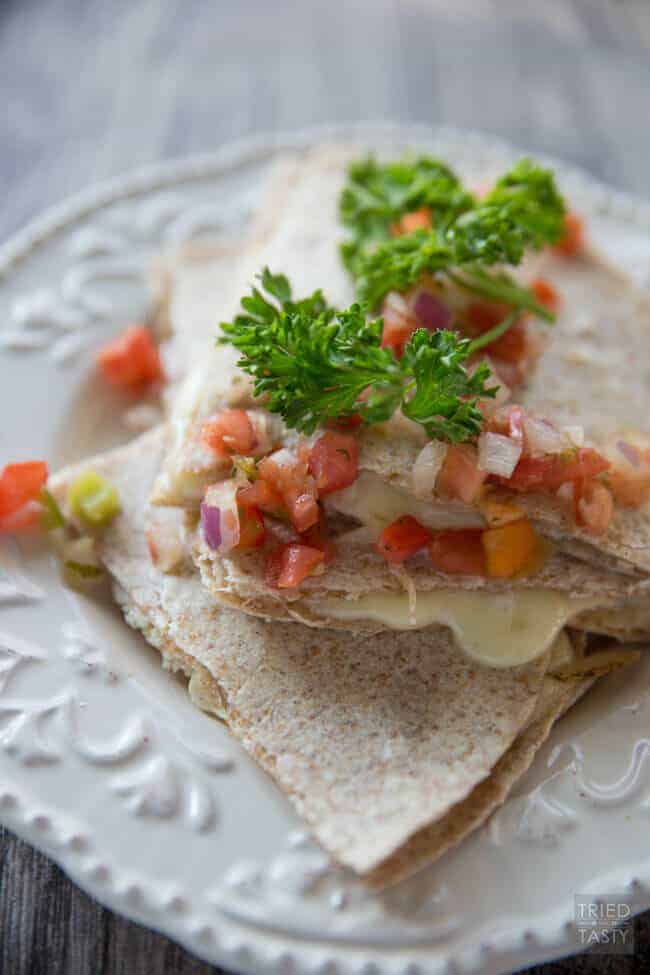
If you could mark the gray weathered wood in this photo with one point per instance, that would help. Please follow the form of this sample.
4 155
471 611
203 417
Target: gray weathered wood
92 89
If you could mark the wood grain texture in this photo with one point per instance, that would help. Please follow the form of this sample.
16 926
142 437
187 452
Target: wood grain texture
92 89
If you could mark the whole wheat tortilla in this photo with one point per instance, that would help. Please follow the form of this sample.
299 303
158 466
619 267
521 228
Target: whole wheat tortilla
372 739
594 371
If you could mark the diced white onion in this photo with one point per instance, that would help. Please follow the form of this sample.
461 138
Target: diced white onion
283 457
498 454
269 430
542 437
397 303
426 469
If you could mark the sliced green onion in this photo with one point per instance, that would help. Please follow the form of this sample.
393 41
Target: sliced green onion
93 499
246 466
52 517
83 570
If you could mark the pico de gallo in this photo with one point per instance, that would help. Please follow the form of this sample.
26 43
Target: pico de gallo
516 454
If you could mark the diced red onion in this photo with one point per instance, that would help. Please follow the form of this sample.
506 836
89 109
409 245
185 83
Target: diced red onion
220 516
542 437
630 452
430 312
211 525
498 454
427 467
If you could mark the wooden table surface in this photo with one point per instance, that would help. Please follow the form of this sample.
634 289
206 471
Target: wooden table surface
92 89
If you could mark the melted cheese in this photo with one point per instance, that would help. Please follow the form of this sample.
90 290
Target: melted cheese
496 629
375 503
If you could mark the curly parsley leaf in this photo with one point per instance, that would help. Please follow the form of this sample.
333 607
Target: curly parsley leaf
377 195
523 211
313 364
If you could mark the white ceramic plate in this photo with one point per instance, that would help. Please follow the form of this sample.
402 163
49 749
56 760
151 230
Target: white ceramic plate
147 803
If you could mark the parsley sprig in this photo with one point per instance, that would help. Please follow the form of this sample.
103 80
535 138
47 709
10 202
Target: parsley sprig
313 364
523 211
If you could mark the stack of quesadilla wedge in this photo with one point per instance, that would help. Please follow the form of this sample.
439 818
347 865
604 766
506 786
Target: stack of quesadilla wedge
395 704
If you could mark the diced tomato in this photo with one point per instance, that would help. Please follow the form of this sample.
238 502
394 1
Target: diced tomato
348 422
230 432
316 537
261 495
288 565
546 294
304 512
20 488
510 549
252 531
399 325
548 472
594 506
402 538
289 477
460 477
573 240
416 220
334 462
132 360
509 421
458 552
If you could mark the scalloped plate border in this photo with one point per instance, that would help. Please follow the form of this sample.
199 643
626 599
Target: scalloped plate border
515 944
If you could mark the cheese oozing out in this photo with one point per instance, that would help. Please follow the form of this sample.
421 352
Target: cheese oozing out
495 629
375 503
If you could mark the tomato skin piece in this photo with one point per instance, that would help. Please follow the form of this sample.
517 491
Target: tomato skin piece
546 294
402 538
20 488
334 462
549 472
409 222
252 530
573 239
288 565
458 552
460 477
230 432
132 360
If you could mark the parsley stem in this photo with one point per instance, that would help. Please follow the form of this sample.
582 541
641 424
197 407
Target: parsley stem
494 333
507 292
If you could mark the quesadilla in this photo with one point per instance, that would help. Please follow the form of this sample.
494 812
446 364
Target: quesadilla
581 399
392 747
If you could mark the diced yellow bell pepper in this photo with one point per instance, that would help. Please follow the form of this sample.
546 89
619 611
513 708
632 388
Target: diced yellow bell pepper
510 549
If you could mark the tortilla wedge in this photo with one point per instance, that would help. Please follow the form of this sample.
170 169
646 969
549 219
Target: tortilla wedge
373 740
